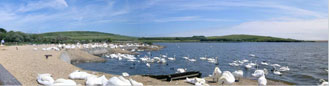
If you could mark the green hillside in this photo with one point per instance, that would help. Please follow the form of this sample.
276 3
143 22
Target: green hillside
248 38
87 35
227 38
172 39
91 36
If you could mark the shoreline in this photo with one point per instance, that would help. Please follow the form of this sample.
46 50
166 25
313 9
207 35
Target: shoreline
25 63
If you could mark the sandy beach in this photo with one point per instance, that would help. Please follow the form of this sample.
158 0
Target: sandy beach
25 64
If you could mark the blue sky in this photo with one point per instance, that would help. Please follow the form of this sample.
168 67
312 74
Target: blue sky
298 19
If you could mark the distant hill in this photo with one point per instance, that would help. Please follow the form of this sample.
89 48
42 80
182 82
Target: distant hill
227 38
248 38
92 36
87 35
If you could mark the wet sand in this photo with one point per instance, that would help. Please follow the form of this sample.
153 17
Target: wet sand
26 63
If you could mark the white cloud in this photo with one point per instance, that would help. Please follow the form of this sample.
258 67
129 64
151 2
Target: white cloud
17 17
188 18
314 29
62 2
229 4
32 6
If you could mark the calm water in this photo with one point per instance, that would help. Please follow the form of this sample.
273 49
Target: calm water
307 61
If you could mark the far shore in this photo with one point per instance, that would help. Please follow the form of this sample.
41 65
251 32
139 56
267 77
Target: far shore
25 63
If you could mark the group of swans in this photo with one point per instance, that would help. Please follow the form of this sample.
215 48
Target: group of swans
47 80
121 81
161 59
227 77
189 59
120 56
197 81
91 80
58 47
210 60
164 58
249 65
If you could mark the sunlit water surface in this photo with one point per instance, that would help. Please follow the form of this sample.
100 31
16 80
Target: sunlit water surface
307 61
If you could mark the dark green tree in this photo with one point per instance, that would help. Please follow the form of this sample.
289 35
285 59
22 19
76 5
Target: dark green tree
109 40
2 30
2 33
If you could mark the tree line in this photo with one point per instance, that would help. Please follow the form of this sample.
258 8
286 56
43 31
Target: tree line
20 37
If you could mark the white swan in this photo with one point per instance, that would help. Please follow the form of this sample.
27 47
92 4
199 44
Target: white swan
170 58
45 79
201 84
275 65
190 80
185 57
94 81
263 63
323 83
234 64
125 74
258 73
252 64
248 66
79 75
164 56
216 74
240 62
156 58
181 70
64 82
212 60
144 59
245 60
262 81
252 55
197 81
148 65
191 60
227 77
276 72
162 60
135 83
286 68
115 81
238 74
203 58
